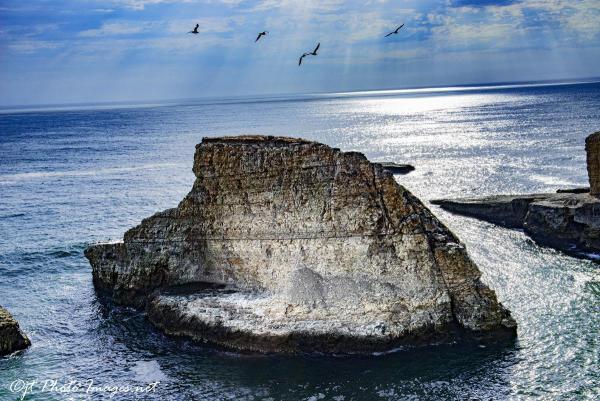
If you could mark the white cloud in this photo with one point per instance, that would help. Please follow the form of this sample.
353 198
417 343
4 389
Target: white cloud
549 22
32 46
460 34
117 28
141 4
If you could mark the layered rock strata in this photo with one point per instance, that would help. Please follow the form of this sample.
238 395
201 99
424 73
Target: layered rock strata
286 245
11 337
568 220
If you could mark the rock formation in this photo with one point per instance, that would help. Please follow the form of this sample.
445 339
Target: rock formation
286 245
396 168
568 220
592 148
11 337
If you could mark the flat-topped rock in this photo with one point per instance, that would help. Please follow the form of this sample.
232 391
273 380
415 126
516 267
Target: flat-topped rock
568 220
396 168
11 337
286 245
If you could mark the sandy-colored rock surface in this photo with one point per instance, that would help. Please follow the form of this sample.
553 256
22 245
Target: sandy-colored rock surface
286 245
11 337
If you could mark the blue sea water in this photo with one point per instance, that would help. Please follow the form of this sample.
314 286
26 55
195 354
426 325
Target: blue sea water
75 175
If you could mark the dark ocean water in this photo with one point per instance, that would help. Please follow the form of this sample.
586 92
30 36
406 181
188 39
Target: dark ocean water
73 176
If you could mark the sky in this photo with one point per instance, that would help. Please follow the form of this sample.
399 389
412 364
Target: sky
86 51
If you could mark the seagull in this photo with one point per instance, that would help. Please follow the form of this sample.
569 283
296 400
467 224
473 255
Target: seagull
394 32
301 57
195 31
313 53
261 34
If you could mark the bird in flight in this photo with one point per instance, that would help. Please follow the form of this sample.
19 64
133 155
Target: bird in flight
394 32
313 53
195 30
301 57
260 35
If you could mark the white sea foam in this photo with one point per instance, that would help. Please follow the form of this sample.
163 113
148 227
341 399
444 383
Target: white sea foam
148 371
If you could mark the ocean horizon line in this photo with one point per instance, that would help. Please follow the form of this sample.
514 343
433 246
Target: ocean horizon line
284 97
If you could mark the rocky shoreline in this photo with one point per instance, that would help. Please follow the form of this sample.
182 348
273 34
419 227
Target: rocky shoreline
11 337
568 220
286 245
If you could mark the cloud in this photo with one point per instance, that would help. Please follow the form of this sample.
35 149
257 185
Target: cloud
103 10
473 34
32 46
298 7
141 4
116 28
481 3
514 24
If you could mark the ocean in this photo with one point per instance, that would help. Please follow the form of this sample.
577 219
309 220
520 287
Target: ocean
73 175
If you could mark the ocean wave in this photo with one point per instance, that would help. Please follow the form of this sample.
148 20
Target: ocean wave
10 216
13 178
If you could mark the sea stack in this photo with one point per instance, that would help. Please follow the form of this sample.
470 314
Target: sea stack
286 245
592 148
11 337
568 220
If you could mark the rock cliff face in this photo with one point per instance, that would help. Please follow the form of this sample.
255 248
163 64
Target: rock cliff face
568 220
592 148
11 337
285 245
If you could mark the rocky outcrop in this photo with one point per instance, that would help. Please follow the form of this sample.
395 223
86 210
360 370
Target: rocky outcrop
582 190
396 168
592 148
286 245
568 220
11 337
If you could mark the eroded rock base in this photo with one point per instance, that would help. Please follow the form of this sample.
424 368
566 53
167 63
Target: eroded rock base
568 221
260 322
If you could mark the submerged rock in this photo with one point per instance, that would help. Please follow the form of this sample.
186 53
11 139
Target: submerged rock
568 220
11 337
396 168
286 245
582 190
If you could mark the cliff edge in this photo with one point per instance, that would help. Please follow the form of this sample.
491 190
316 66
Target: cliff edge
568 220
286 245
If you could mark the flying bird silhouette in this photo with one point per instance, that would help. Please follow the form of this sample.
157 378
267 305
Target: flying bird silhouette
313 53
394 32
195 31
261 34
302 56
